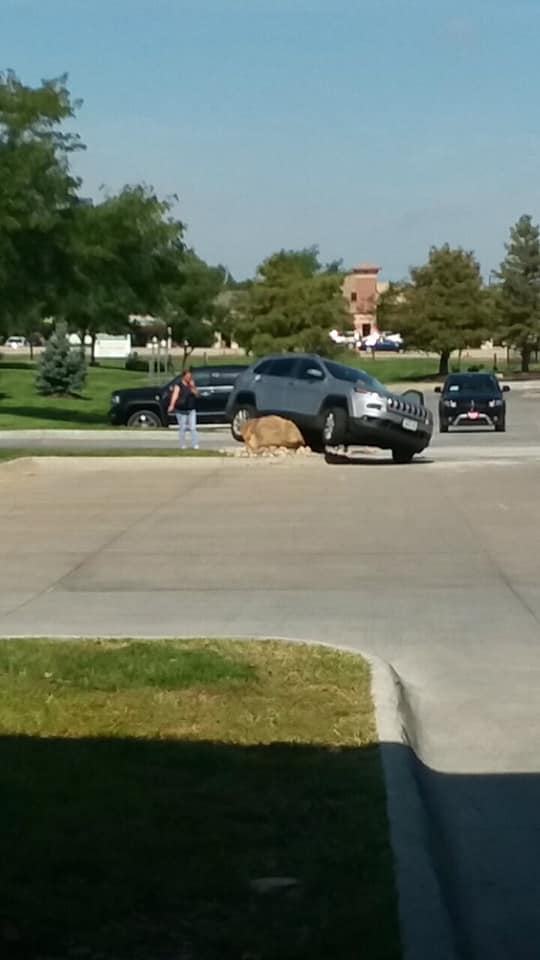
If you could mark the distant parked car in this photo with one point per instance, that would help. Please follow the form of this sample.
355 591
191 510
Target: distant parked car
16 343
331 404
146 407
382 344
472 400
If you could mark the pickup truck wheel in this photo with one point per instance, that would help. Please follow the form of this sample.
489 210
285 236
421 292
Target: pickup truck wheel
399 455
144 420
334 427
240 417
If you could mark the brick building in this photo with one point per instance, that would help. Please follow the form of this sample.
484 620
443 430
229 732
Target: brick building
362 289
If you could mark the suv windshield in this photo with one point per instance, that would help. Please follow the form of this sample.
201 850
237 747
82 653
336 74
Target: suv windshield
352 375
472 383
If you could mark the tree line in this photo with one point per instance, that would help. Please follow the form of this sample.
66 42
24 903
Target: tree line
445 306
92 264
88 264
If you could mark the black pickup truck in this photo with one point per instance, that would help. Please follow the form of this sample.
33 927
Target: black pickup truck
146 407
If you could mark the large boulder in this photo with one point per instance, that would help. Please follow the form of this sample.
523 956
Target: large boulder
264 433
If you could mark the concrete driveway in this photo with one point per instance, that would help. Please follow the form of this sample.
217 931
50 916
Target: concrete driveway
433 566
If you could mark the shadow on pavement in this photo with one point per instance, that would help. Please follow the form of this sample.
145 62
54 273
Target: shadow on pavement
131 849
352 460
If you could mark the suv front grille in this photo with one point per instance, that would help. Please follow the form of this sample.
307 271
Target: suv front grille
402 406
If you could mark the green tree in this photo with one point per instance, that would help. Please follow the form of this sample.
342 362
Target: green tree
192 303
442 308
519 290
61 369
292 305
122 255
37 190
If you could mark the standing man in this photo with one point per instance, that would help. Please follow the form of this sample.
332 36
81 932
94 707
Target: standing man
183 405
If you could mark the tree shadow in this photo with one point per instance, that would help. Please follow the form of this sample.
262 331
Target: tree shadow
16 364
62 415
132 849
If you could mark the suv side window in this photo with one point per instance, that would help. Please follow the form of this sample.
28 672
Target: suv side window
282 367
224 378
305 365
201 377
263 367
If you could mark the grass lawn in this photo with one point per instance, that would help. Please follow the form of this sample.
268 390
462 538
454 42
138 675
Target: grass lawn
22 408
15 454
146 785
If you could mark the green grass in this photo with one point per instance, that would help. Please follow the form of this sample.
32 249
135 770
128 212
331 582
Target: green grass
15 453
22 408
146 785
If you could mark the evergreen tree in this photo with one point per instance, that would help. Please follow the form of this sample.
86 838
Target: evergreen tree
61 369
519 290
442 308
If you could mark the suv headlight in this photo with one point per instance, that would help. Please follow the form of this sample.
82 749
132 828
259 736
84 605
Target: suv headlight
495 403
450 403
115 398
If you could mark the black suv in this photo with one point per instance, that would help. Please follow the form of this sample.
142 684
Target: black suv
472 400
146 407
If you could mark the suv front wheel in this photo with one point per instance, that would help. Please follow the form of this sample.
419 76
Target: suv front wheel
401 455
334 427
240 417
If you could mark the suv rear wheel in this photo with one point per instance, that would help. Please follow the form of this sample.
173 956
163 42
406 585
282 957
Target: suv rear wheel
241 415
144 420
334 427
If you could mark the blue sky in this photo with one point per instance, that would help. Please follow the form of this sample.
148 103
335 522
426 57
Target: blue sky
373 129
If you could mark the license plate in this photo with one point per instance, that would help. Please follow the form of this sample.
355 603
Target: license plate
409 424
473 415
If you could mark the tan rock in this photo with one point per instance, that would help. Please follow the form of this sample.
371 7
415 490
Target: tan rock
267 432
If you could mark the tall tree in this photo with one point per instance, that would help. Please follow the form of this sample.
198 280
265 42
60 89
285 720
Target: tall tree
519 290
442 308
37 189
122 255
292 305
192 303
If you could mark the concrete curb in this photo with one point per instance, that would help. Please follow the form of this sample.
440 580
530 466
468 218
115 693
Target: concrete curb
426 928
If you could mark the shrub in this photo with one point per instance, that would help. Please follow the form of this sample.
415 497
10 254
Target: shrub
61 370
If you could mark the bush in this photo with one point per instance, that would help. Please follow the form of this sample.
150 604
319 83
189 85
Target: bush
61 370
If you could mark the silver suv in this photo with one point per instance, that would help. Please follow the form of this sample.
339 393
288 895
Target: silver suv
332 404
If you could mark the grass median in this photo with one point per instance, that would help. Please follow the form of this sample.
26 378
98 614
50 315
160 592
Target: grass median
14 453
196 800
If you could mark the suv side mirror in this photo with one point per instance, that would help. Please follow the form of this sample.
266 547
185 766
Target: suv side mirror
438 390
506 388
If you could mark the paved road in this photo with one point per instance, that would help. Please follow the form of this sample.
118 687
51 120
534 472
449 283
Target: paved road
433 566
522 438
